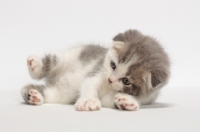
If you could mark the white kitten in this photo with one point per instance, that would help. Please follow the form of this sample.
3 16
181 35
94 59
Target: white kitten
126 75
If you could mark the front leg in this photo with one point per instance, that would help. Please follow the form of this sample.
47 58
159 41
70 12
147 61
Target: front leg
126 102
89 100
35 65
40 68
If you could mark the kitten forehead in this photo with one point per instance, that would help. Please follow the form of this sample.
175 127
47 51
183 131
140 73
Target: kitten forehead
126 53
133 60
123 68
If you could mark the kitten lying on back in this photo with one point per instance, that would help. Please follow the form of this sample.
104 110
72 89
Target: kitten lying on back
130 73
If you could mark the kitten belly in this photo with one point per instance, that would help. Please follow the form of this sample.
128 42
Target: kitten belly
66 86
65 89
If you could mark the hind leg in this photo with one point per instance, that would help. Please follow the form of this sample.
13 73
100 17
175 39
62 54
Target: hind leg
39 94
33 94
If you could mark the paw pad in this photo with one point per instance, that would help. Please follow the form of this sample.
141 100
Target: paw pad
35 66
126 102
34 97
88 105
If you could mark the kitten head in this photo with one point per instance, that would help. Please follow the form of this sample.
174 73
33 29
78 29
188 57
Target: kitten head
136 64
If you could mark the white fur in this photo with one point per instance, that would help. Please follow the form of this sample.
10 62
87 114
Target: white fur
89 94
34 66
118 44
72 85
35 97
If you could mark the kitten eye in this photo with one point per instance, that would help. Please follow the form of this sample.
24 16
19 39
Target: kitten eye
112 64
125 81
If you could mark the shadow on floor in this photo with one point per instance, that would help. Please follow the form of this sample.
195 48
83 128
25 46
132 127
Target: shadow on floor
157 105
24 103
150 106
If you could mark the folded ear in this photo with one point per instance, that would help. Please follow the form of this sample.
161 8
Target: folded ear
154 78
118 44
129 36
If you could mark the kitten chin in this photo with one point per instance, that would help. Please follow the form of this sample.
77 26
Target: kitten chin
137 65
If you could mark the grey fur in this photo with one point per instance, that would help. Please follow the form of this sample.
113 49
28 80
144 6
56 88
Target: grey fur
134 90
47 60
54 60
97 67
91 52
152 60
39 88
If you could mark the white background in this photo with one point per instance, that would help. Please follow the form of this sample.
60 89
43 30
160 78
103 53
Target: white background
38 26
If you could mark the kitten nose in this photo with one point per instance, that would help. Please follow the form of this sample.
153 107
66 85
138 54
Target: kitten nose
109 80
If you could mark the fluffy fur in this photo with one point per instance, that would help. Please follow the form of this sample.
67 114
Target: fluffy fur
128 74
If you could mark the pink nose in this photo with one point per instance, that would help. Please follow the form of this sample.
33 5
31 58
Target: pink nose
109 80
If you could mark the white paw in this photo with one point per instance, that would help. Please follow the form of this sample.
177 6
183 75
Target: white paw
35 98
88 104
34 66
126 102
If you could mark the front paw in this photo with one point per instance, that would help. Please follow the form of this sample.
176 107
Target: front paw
90 104
126 102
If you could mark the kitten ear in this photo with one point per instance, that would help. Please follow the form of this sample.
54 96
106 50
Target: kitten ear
147 80
153 79
119 37
129 36
118 44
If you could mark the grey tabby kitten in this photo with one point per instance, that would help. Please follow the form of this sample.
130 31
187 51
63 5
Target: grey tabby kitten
128 74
